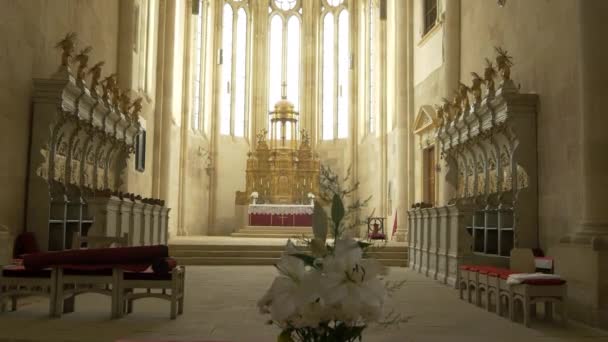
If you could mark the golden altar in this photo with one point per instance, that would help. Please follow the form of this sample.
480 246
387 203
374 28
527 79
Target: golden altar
285 169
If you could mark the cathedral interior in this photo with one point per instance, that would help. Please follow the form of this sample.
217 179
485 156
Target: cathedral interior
469 135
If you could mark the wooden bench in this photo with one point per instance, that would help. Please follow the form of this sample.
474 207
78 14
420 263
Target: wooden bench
482 283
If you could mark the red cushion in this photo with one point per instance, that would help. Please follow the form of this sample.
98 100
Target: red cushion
100 269
544 281
143 255
14 271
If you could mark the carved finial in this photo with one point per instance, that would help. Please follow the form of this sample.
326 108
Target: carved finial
95 72
504 62
82 58
476 87
67 44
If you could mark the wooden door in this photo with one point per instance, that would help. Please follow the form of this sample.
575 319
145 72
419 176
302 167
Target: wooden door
429 175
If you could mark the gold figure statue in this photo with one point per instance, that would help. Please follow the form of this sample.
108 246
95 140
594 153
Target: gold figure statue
95 72
261 137
463 94
136 109
82 58
476 87
447 110
109 86
305 137
125 102
504 62
488 77
440 115
67 44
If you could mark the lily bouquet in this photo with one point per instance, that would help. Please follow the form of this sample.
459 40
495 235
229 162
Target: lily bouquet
330 298
331 294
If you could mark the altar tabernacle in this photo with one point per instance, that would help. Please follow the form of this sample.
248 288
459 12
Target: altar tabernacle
282 174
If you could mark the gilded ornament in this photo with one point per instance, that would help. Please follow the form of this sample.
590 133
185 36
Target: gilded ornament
67 44
261 136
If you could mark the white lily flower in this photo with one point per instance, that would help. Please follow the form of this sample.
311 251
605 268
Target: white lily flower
352 284
291 289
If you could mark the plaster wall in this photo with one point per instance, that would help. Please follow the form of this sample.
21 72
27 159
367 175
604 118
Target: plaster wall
29 31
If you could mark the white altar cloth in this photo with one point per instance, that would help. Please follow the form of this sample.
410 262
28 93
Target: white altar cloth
280 209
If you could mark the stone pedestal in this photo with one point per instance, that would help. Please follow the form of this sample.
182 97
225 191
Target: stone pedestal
137 221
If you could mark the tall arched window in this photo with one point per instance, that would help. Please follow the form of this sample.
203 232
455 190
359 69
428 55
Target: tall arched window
335 47
284 49
372 68
199 23
235 57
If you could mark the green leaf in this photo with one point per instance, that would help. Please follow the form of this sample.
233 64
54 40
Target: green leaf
285 336
337 211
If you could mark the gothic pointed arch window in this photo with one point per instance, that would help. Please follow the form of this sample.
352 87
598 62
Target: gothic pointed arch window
335 68
372 24
235 57
200 11
284 53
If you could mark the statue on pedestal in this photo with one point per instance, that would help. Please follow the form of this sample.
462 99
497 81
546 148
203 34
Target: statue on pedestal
488 77
476 88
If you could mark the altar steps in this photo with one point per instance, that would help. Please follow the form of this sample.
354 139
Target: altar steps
273 232
264 254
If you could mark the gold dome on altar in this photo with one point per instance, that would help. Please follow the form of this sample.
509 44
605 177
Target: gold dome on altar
284 109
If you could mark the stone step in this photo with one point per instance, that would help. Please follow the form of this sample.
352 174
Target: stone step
259 261
279 248
290 232
270 235
267 254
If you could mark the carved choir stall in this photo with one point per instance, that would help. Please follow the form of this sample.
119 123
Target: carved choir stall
80 144
282 174
487 137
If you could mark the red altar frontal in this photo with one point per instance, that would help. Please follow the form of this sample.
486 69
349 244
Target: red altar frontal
280 215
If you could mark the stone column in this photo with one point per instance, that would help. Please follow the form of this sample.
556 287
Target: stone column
593 57
451 79
402 85
582 258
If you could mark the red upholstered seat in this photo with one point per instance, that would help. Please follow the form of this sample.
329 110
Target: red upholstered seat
14 271
144 255
99 269
544 282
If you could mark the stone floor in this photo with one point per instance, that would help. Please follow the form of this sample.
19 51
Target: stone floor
221 306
